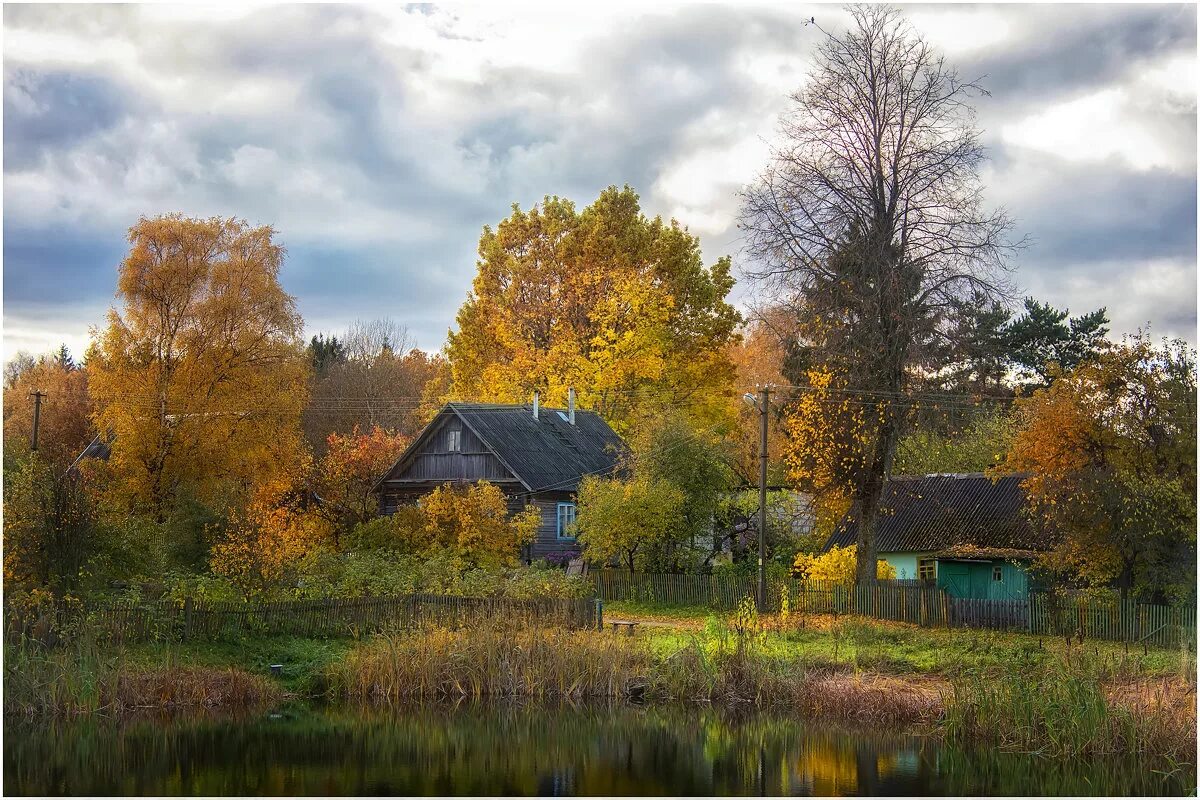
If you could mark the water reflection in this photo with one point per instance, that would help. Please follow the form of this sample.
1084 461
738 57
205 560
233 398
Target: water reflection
513 750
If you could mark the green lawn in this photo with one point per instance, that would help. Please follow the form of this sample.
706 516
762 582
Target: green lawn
303 660
901 649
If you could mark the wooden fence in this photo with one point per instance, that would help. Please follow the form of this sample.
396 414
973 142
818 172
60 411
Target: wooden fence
916 602
210 620
1119 620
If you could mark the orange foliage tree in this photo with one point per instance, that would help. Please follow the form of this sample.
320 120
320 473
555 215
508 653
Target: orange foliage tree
266 541
65 426
200 376
345 477
759 360
1110 452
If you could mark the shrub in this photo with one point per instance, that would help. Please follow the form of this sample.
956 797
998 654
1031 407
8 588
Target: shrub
838 564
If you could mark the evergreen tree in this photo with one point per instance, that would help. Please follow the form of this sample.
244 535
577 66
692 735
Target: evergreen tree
1043 335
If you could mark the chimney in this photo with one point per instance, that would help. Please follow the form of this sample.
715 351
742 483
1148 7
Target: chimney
535 405
571 405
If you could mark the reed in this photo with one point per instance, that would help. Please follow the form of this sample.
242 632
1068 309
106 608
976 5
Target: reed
502 660
1073 709
83 679
494 659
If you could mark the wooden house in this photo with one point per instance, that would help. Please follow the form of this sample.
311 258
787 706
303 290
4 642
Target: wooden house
967 532
536 455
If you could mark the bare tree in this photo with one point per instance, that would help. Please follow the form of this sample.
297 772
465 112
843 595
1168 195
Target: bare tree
378 379
870 217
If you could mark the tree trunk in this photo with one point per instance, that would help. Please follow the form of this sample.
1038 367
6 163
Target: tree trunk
870 493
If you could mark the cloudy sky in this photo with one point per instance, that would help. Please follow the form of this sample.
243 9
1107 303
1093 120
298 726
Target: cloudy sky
378 141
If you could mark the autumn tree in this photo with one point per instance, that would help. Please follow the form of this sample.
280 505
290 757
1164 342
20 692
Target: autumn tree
65 426
1110 452
870 214
634 520
200 375
759 359
604 300
267 540
345 477
474 521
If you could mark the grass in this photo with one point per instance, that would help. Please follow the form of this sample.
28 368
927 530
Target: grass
1014 691
897 648
83 678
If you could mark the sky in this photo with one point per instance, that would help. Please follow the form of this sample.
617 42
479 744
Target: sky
378 141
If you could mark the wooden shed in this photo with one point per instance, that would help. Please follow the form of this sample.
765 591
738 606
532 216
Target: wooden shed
968 532
536 455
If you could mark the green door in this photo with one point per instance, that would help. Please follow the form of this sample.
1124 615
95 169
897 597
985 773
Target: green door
955 578
981 576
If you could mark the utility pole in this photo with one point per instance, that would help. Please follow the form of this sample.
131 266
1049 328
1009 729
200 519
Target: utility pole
762 502
37 417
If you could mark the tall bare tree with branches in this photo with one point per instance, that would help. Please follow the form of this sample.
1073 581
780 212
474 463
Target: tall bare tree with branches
870 217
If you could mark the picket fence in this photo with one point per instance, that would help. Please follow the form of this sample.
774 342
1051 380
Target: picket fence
211 620
915 602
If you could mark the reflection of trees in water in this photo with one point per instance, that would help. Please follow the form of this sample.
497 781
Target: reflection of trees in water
509 749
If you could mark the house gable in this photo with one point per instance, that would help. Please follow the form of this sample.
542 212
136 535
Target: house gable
431 459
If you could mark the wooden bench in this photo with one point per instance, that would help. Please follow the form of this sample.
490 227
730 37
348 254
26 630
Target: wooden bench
629 626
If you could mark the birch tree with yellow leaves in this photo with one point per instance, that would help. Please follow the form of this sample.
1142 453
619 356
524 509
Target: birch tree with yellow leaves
199 376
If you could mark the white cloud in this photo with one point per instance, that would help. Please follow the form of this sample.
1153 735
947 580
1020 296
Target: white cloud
959 30
1094 127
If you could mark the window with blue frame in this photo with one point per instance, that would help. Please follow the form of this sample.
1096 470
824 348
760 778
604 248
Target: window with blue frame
566 517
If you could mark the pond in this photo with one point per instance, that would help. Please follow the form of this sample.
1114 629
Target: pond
530 750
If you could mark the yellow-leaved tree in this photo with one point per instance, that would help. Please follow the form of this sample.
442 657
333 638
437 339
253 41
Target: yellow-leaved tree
837 564
618 306
200 375
474 522
267 539
830 437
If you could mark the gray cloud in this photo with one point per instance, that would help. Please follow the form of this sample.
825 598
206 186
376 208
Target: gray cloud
380 142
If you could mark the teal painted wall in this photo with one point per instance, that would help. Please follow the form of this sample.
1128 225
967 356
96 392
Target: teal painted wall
905 564
977 580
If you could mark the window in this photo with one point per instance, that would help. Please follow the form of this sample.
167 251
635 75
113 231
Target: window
926 569
566 516
453 441
997 573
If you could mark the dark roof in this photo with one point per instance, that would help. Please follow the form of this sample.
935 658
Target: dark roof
939 512
97 448
546 454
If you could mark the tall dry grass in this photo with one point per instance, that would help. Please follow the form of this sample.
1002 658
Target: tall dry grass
83 679
495 659
502 660
1074 710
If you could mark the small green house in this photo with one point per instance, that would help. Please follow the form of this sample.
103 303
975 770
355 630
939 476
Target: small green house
967 532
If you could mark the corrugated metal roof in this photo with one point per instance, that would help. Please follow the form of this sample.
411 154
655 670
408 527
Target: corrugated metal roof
547 453
935 512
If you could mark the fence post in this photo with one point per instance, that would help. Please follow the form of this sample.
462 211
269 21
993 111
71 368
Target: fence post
187 618
599 614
